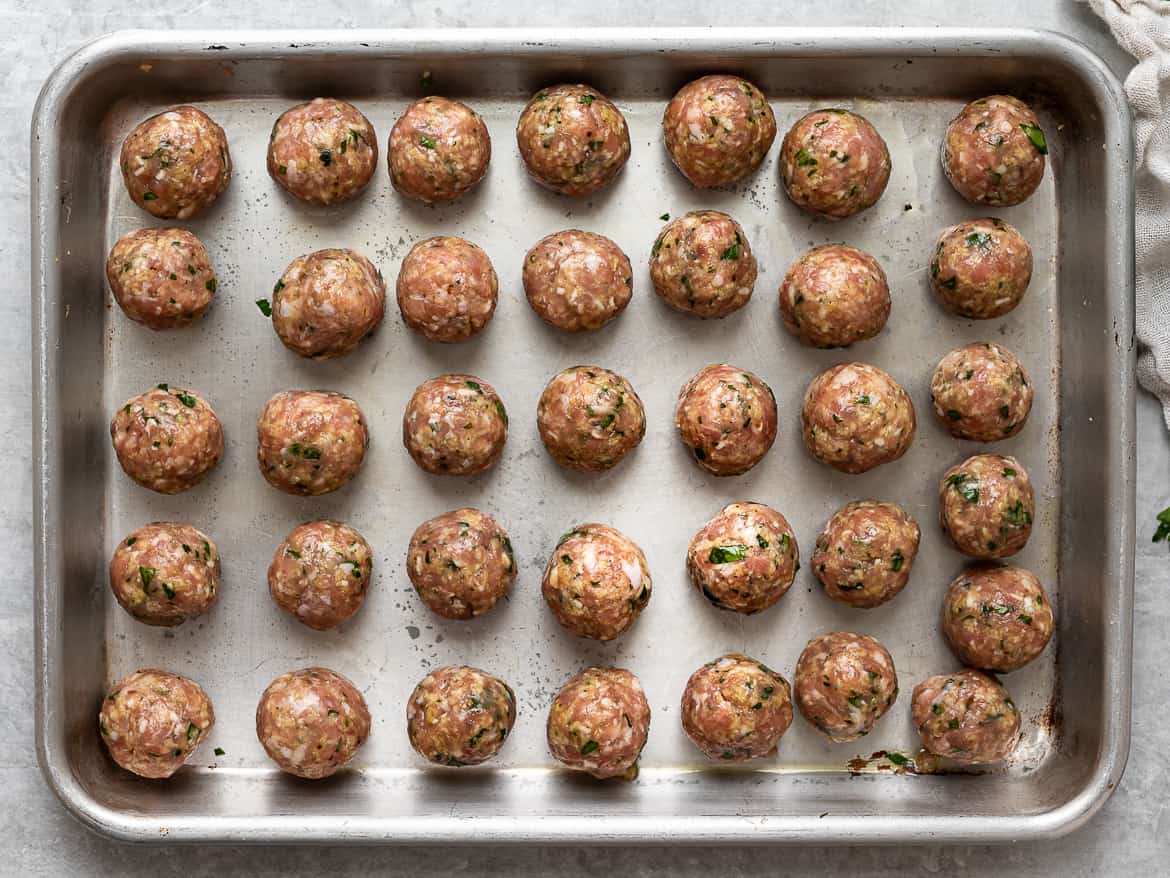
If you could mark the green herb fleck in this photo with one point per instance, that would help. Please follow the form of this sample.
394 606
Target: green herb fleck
763 542
219 751
732 252
898 759
950 283
588 747
960 482
185 398
265 307
146 574
149 196
1163 531
211 285
1036 136
586 99
898 560
664 217
727 554
803 159
168 591
426 142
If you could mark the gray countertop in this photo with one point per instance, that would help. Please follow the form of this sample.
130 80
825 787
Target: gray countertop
1130 836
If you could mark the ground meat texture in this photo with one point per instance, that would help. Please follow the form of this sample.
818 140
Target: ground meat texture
997 618
577 281
967 717
168 439
727 417
165 573
323 152
980 268
986 506
745 558
589 418
596 582
176 163
835 295
598 723
455 425
702 264
459 716
735 708
981 392
461 563
310 442
865 551
161 278
439 149
153 720
856 417
321 573
834 163
326 303
845 683
994 151
718 129
447 289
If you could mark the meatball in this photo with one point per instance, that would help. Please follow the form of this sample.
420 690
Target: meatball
834 163
589 418
311 722
745 558
727 417
735 708
447 289
310 442
168 439
326 303
865 551
439 149
845 683
986 506
176 163
993 152
572 139
460 563
701 263
596 582
981 268
835 295
153 720
165 573
856 417
981 392
718 129
321 573
577 281
161 278
997 618
966 716
598 723
459 716
455 425
323 152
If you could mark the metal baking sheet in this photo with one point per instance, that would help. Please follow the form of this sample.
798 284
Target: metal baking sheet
1073 333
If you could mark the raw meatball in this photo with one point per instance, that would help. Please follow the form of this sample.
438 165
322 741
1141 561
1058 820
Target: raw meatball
168 439
596 581
834 163
460 563
439 149
981 268
176 163
161 278
966 716
745 558
321 573
165 573
727 417
572 139
312 722
598 723
734 708
702 264
459 716
845 683
455 425
986 506
994 151
589 418
577 281
447 289
835 295
865 551
153 720
856 417
310 442
981 392
718 129
323 152
326 303
997 618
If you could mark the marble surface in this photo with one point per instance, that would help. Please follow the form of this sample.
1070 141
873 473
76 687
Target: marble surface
37 837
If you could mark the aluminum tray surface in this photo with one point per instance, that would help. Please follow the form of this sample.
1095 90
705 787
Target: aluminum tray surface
1072 332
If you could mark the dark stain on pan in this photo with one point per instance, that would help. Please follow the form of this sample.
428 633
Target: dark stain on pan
890 761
